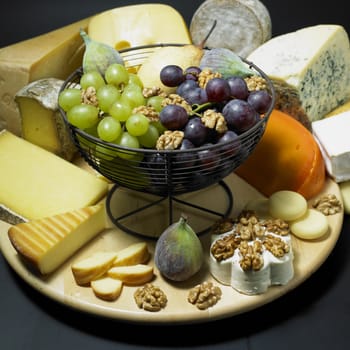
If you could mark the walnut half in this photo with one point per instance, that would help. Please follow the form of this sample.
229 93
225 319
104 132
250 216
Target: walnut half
204 295
150 298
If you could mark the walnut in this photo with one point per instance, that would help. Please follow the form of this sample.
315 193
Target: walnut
204 295
175 99
153 91
328 204
256 83
248 226
277 226
222 226
251 256
214 120
275 245
88 96
147 111
205 75
225 247
150 298
170 140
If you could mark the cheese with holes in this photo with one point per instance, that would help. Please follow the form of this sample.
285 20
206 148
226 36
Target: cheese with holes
141 24
41 121
55 54
48 242
310 69
36 183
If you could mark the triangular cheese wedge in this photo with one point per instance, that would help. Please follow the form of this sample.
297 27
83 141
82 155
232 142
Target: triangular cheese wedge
48 242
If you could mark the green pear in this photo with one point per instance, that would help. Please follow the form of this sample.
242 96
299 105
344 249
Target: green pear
183 56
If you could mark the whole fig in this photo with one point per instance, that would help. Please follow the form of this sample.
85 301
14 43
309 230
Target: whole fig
98 56
178 252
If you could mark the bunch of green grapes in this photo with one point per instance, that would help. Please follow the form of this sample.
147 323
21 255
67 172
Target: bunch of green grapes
113 119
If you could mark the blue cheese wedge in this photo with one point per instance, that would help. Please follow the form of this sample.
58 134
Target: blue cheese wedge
332 134
310 69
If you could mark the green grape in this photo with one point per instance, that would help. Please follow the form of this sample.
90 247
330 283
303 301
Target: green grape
109 129
120 110
135 79
161 128
69 98
93 79
137 124
133 95
117 75
129 141
83 116
105 153
155 102
106 95
149 139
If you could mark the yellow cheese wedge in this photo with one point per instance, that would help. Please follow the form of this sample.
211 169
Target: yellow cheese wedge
140 24
48 242
55 54
35 183
136 253
107 288
132 275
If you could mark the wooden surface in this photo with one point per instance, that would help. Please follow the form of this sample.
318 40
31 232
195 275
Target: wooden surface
60 286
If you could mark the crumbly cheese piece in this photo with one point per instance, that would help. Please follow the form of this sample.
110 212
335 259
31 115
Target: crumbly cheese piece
55 54
42 122
141 24
47 243
310 69
36 183
332 134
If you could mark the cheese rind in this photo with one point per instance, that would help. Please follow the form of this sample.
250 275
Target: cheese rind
48 242
141 24
36 183
310 68
41 120
55 54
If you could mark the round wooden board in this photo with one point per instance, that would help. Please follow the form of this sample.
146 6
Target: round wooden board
60 285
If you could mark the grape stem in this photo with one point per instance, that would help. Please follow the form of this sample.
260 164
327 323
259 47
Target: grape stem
196 109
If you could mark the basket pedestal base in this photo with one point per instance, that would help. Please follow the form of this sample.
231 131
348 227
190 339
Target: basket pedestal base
136 212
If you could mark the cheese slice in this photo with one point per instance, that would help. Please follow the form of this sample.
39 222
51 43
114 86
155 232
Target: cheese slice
41 120
332 134
50 241
310 69
141 24
36 183
55 54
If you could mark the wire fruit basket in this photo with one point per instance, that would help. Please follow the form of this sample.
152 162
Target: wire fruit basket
166 174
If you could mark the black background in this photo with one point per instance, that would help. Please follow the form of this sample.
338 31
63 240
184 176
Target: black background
316 315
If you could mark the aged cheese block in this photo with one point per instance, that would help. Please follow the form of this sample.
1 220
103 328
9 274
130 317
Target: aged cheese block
332 134
42 122
141 24
310 69
55 54
241 25
50 241
345 107
36 183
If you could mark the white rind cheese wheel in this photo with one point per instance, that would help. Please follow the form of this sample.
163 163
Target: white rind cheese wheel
312 225
287 205
241 25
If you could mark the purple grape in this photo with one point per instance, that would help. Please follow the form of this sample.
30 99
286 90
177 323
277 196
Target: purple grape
185 160
239 115
238 87
208 158
260 100
195 131
172 75
195 96
218 90
191 73
173 117
186 86
231 143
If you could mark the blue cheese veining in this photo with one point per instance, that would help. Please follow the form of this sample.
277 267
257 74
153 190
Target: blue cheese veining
310 69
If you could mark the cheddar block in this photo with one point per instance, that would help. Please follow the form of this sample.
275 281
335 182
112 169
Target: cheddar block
141 24
48 242
92 267
35 183
41 120
136 253
310 69
107 288
55 54
132 275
